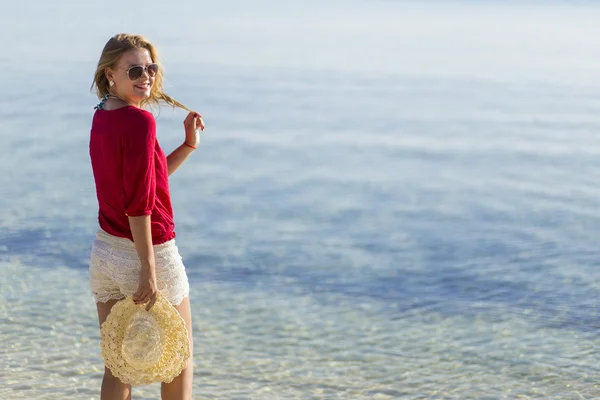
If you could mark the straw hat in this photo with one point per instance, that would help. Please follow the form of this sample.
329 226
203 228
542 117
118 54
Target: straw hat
142 347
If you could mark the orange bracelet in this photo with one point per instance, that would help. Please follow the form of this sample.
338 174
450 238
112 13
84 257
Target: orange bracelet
189 145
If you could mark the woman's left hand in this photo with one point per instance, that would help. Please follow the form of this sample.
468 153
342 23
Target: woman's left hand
192 123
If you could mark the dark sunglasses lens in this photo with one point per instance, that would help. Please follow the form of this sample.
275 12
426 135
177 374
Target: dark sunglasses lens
135 72
152 69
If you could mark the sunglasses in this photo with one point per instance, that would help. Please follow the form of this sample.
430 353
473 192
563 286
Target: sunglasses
133 73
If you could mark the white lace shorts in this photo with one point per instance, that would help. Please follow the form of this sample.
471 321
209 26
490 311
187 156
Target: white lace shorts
115 269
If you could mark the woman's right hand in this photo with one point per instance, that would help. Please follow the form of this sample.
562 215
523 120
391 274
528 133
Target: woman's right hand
147 288
192 123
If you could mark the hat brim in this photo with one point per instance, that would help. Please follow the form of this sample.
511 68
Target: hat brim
176 344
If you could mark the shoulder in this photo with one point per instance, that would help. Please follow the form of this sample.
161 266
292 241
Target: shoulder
140 126
140 122
127 114
139 116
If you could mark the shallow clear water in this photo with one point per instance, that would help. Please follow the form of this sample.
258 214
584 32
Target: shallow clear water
385 205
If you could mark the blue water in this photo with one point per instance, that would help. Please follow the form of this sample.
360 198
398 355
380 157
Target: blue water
391 199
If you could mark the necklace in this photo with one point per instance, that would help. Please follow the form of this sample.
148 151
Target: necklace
107 96
112 96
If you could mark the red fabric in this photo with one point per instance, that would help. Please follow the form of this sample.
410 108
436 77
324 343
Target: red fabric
130 172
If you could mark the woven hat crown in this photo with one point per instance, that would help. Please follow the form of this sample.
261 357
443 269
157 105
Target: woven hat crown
143 342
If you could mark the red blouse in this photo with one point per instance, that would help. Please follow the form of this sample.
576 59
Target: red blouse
130 172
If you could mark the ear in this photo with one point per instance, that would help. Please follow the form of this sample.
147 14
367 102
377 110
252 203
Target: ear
109 74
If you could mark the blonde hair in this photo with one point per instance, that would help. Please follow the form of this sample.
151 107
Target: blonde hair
112 52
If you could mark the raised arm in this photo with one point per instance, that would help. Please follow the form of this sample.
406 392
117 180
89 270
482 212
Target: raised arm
192 123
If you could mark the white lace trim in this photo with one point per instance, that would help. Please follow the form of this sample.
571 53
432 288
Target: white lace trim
115 266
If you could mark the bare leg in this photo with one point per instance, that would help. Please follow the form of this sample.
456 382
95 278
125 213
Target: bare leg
181 387
112 387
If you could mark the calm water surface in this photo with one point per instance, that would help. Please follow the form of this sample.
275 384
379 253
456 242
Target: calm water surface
391 200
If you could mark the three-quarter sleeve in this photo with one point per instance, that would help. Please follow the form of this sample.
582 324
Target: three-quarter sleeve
139 174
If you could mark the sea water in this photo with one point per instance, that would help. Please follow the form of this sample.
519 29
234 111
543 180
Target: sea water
391 199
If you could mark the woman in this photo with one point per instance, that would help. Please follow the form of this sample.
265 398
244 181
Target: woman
134 252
